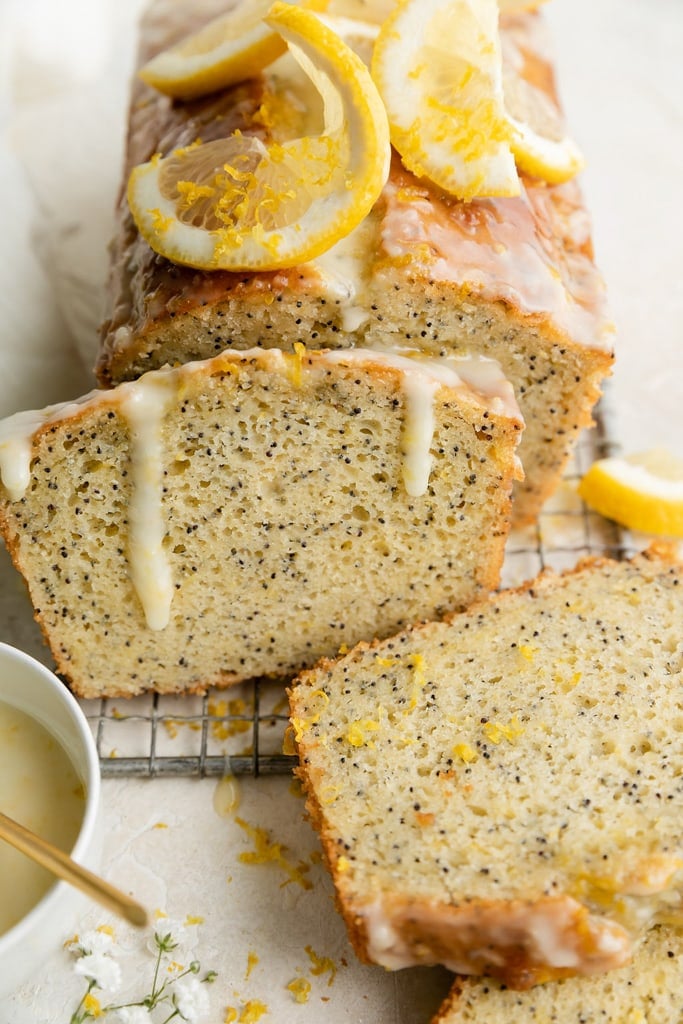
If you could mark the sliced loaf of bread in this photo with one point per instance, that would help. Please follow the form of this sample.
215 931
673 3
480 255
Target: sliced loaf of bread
251 513
501 793
510 278
648 990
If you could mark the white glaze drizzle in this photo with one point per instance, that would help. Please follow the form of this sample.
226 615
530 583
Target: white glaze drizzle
419 389
144 404
550 930
341 272
16 447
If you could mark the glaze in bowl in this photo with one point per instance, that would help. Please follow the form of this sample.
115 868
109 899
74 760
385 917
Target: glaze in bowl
29 687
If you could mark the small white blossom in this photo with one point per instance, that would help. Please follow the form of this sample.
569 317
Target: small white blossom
101 969
95 941
132 1015
191 999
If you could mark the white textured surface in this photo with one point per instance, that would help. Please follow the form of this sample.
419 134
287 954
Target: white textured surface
62 116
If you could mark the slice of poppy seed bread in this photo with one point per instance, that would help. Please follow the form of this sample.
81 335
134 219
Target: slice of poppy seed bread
501 792
248 514
510 278
648 990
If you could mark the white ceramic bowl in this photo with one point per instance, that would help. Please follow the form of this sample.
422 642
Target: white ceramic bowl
30 687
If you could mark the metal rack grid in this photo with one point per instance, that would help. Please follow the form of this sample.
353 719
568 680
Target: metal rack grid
240 730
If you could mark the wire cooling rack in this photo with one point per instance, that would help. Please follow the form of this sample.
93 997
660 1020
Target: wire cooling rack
240 730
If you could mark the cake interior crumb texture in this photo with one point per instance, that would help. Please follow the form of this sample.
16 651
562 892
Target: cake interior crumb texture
283 525
501 793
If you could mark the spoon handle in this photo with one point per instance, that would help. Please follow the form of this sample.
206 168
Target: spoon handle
60 864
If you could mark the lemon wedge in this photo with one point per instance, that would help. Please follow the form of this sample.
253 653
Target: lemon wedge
438 67
539 142
229 49
240 203
641 492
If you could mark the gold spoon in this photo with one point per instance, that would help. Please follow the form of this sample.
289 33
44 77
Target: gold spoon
60 864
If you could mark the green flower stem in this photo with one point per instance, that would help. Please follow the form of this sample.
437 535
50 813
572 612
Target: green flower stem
76 1017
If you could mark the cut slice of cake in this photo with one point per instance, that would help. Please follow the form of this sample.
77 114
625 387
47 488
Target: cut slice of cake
648 990
251 513
501 792
510 278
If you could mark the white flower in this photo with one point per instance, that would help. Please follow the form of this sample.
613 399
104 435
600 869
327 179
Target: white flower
191 999
95 941
101 969
132 1015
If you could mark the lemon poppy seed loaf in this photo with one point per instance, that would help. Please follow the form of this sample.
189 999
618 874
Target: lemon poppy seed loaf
648 990
509 278
248 514
501 793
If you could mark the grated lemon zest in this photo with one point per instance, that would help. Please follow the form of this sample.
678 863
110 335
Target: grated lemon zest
356 735
527 651
302 725
252 960
229 708
321 964
269 852
465 752
300 989
160 222
252 1011
496 731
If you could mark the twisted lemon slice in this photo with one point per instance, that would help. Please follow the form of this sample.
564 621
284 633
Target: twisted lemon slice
239 203
642 492
438 67
539 142
228 49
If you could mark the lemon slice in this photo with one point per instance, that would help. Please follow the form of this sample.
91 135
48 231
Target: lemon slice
359 35
438 67
539 142
229 49
642 492
239 203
